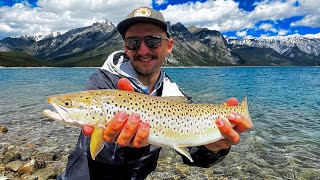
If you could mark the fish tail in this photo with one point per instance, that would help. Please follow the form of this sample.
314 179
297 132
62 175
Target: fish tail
244 105
96 142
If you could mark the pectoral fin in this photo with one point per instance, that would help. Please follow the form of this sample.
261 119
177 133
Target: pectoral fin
96 143
184 151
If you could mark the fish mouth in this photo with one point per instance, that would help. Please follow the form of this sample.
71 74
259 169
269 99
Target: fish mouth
52 115
61 115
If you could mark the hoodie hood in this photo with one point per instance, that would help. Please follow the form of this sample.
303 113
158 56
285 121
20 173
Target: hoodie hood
119 64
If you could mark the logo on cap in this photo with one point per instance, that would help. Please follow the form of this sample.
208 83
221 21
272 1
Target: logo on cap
145 12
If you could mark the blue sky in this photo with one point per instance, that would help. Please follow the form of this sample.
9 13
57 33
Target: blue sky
233 18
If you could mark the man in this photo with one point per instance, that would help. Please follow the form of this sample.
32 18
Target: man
126 155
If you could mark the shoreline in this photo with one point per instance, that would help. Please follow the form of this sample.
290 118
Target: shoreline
166 67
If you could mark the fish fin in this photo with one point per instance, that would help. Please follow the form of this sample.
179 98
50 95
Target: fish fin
178 99
96 142
184 151
244 105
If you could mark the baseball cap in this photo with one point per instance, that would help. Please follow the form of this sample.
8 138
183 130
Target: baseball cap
142 15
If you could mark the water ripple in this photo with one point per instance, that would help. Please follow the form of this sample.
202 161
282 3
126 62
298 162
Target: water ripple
284 106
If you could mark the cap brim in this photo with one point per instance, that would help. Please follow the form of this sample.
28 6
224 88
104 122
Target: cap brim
125 24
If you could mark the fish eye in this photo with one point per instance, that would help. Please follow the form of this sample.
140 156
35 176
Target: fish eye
67 102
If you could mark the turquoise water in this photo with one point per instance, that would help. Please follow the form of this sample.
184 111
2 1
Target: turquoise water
284 104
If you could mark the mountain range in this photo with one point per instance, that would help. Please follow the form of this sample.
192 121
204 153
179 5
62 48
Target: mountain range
90 46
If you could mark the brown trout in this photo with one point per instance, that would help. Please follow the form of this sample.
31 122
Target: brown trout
172 124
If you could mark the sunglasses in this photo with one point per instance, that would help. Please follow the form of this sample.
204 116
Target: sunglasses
152 42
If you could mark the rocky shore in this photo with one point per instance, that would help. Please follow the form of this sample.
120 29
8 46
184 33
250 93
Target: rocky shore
35 161
29 154
28 163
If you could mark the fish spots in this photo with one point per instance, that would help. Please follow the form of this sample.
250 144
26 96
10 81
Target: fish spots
166 118
155 132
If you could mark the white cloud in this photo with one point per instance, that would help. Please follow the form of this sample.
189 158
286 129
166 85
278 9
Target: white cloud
309 7
282 32
308 20
267 27
241 33
160 2
221 15
225 15
311 10
5 28
274 10
62 15
279 10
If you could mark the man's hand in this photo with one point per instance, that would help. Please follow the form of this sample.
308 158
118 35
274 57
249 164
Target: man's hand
127 130
124 129
232 135
87 130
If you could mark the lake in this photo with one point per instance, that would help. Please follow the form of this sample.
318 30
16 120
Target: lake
284 103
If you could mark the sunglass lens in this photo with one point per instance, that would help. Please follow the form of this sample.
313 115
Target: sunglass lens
132 43
152 42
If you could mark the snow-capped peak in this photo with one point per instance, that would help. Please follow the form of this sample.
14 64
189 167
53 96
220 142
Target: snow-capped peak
104 22
39 37
309 44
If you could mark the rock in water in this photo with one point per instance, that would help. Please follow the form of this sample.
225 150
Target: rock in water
3 129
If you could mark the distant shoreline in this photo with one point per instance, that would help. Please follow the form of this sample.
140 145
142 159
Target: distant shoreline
45 67
48 67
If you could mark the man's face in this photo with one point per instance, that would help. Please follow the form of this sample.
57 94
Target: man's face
147 61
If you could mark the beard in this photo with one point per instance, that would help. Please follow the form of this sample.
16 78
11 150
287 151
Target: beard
146 70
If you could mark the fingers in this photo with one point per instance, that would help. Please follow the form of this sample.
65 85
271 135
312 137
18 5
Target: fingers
140 139
217 146
127 130
241 123
115 126
232 102
125 84
87 130
227 131
232 135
